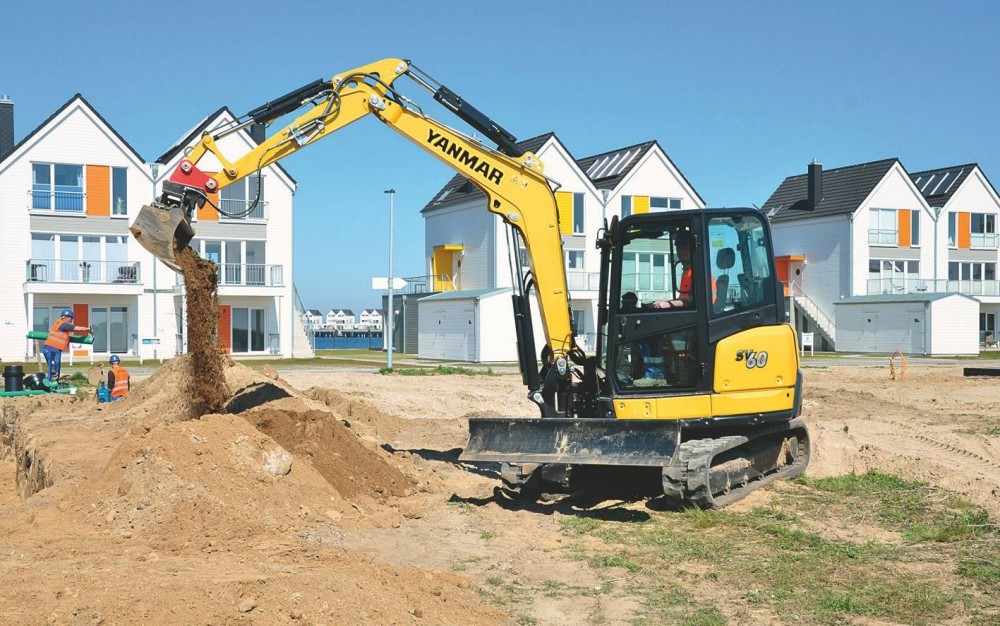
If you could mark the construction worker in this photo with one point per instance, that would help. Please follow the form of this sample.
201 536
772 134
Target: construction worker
58 342
118 381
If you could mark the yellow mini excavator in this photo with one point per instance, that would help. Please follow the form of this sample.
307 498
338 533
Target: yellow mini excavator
695 372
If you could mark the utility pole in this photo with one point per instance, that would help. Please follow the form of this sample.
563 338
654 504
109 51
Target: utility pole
392 194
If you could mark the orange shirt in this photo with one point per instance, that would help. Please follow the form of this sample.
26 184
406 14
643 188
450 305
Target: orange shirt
121 381
687 285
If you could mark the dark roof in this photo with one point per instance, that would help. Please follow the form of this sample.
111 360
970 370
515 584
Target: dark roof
344 311
197 132
937 186
459 188
844 189
63 108
313 312
608 169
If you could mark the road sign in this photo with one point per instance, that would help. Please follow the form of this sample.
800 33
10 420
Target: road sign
382 282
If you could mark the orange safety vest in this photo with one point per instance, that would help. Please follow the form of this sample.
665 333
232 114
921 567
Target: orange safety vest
56 339
687 288
121 382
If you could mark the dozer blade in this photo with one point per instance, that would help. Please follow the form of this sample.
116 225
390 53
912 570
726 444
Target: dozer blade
572 441
162 229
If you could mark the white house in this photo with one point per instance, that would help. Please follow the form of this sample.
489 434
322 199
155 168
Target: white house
68 191
340 319
873 229
467 247
312 318
371 318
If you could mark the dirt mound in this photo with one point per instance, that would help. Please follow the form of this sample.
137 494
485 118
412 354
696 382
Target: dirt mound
331 448
360 414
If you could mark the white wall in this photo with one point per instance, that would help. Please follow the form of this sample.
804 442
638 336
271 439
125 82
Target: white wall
825 242
954 326
472 226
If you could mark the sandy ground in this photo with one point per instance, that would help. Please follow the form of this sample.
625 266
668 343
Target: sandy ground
340 499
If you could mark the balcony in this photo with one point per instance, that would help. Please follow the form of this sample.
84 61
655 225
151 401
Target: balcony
922 285
583 281
989 241
240 207
77 271
247 275
57 201
882 236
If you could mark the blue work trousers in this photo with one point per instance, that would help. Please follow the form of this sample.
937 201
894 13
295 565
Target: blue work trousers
53 358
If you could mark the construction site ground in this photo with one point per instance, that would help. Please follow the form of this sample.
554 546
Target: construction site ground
330 494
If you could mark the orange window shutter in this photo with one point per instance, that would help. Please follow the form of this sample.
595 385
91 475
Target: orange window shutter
964 230
903 226
640 204
206 213
226 327
564 202
98 190
81 315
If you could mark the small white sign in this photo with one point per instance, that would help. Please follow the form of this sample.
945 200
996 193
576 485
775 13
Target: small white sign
382 282
807 340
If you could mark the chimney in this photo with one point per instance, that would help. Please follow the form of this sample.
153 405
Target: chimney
6 127
815 185
257 133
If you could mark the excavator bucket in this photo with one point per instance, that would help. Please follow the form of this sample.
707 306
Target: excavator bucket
162 229
650 443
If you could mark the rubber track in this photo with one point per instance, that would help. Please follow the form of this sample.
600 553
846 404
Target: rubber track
688 478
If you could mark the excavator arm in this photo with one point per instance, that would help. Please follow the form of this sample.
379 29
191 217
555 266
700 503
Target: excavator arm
512 181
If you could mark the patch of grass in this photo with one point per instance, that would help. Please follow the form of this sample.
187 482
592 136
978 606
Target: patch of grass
792 561
616 560
486 535
993 432
440 370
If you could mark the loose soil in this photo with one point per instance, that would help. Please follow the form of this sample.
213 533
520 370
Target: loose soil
201 284
326 497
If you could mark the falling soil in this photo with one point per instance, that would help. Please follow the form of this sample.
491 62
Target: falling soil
202 285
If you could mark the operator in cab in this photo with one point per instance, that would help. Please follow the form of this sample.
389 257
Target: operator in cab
118 379
685 291
58 342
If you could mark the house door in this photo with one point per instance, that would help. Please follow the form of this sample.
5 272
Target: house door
869 335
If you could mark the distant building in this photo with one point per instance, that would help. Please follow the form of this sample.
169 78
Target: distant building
340 319
371 319
312 318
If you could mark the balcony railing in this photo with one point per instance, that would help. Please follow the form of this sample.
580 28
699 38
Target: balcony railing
923 285
984 240
882 236
76 271
247 275
57 200
583 281
238 207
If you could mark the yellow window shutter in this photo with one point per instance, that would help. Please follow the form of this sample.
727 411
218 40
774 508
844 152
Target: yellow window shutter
564 202
640 204
98 190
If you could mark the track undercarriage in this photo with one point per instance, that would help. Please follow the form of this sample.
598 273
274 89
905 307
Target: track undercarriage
543 455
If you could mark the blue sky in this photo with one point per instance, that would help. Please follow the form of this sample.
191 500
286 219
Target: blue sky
740 94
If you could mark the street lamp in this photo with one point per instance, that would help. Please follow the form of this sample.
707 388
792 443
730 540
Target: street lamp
389 309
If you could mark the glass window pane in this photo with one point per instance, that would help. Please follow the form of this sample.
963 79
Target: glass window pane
41 320
257 330
119 190
241 329
99 322
626 206
118 329
577 213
